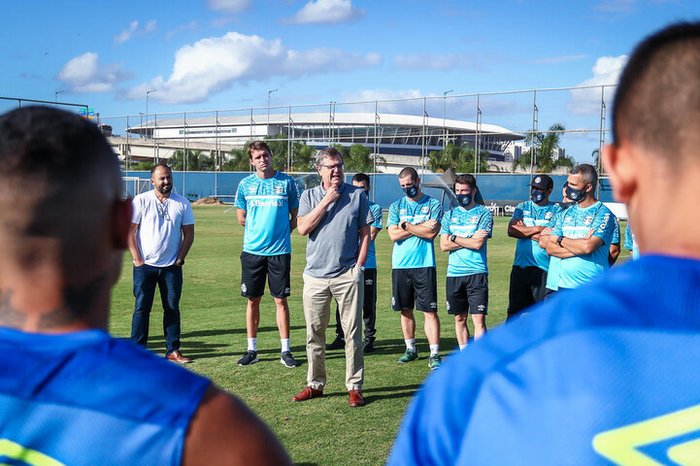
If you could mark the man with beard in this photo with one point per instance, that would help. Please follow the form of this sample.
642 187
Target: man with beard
582 235
413 224
528 277
336 219
162 231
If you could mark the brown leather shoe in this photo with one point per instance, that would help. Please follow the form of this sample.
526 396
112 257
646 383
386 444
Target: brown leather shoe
307 393
177 356
355 399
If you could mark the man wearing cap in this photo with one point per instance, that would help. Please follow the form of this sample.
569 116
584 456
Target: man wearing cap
582 235
528 277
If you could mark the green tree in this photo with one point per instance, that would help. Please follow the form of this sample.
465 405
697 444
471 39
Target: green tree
237 161
544 147
460 158
302 157
191 160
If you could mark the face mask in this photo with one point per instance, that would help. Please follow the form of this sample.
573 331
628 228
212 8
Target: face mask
574 194
411 191
537 196
464 199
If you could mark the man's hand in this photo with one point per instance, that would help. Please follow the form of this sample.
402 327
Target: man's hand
431 224
478 234
332 195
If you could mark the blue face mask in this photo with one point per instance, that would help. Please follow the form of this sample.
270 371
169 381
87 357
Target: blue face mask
464 199
411 191
574 194
537 196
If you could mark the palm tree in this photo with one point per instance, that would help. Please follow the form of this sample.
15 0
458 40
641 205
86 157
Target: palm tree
544 147
191 160
461 159
237 161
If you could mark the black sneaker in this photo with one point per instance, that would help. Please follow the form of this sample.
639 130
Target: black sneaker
249 357
338 343
288 360
369 346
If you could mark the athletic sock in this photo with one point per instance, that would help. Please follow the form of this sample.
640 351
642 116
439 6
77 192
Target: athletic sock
411 344
461 347
252 344
434 349
285 344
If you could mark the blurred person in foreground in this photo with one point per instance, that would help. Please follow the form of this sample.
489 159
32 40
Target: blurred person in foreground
70 393
608 372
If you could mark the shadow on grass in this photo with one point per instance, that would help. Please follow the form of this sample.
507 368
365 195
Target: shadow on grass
382 393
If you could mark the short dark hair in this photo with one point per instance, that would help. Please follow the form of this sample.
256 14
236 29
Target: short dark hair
409 171
361 178
657 102
160 164
258 145
467 179
587 171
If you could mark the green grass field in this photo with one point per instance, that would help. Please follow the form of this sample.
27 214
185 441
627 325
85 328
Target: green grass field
317 432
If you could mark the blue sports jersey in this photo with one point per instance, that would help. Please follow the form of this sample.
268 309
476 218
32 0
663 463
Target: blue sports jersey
553 270
528 253
376 211
267 202
414 252
87 398
630 241
604 374
577 222
464 223
616 231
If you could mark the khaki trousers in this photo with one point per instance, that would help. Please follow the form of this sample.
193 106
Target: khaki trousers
348 291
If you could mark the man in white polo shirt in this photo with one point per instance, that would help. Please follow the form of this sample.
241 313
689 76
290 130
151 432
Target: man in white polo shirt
162 231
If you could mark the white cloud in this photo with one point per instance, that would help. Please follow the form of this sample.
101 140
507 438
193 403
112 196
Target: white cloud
126 33
228 6
327 12
606 71
133 29
213 64
84 73
430 62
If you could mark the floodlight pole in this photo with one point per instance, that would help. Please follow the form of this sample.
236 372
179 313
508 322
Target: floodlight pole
444 111
55 95
269 93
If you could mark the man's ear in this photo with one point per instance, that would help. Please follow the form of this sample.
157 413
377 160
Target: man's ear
620 166
121 223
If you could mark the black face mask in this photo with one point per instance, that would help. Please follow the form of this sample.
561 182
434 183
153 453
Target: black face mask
464 199
574 194
537 196
411 191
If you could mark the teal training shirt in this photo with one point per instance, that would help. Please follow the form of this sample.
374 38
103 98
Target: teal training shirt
528 253
575 223
464 223
414 252
376 211
267 202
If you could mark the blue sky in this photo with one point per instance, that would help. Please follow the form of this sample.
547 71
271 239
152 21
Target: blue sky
227 54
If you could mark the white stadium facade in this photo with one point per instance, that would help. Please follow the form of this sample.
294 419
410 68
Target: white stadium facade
399 139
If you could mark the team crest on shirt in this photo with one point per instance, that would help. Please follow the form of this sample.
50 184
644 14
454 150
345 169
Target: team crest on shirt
588 220
548 215
279 189
474 219
402 212
424 209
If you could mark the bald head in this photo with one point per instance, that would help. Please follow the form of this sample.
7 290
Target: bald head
657 102
63 223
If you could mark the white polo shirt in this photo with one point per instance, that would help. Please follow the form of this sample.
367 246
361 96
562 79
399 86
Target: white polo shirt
160 226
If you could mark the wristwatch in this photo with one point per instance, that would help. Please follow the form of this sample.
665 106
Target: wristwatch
453 238
559 240
403 225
